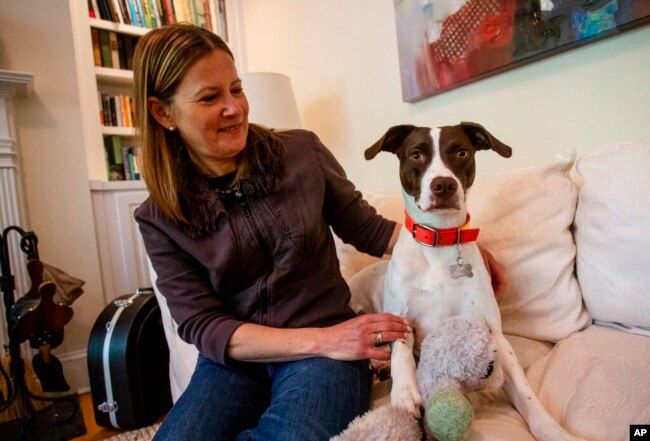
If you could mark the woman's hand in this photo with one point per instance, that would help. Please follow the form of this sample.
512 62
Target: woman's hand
365 336
499 279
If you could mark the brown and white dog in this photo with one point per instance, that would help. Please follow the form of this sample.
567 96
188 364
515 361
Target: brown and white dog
436 270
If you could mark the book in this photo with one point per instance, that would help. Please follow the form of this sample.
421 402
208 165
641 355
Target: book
169 12
207 7
112 12
114 159
126 120
146 13
126 18
115 54
104 10
100 100
105 48
106 109
198 13
134 12
112 119
155 13
128 46
223 24
97 51
117 104
180 11
116 11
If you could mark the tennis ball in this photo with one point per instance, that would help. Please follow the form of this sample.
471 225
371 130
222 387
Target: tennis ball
448 415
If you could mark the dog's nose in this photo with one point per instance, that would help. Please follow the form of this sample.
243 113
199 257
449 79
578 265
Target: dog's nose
443 187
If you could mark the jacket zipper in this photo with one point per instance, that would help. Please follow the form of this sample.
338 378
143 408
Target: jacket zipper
264 287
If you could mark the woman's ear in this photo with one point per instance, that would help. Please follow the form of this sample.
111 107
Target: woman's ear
160 111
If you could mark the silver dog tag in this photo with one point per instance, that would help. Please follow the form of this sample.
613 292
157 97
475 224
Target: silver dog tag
460 268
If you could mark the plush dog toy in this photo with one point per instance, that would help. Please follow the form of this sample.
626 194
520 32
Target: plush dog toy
457 358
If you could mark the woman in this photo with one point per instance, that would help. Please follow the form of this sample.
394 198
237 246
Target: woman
237 227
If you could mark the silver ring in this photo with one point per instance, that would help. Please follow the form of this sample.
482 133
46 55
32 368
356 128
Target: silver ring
379 338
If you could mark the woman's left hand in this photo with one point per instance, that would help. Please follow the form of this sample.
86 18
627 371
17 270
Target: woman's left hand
499 279
365 336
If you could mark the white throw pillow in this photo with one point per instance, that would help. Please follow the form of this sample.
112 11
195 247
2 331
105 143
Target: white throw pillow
525 217
612 231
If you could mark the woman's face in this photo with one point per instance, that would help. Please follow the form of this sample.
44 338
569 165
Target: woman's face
210 112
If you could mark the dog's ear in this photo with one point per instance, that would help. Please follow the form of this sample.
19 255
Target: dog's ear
390 142
483 140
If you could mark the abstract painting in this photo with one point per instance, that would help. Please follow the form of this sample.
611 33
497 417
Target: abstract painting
444 44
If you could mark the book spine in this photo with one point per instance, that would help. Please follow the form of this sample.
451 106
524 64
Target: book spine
136 167
125 112
115 54
136 18
106 109
97 51
179 11
155 13
169 12
100 101
192 12
113 115
126 16
116 11
114 160
117 103
223 24
125 163
208 15
105 47
104 10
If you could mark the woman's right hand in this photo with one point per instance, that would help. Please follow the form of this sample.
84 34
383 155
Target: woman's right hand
365 336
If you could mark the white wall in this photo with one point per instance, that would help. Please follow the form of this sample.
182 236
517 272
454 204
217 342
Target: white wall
36 37
342 58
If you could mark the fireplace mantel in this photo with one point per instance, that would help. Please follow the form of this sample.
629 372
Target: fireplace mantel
19 83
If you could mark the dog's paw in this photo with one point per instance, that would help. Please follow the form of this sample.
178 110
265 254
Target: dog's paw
407 396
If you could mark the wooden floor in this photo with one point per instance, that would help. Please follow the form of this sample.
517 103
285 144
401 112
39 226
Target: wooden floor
93 431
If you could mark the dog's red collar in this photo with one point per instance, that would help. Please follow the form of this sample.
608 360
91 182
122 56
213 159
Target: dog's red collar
438 237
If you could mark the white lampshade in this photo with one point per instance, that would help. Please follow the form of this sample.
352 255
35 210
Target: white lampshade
271 100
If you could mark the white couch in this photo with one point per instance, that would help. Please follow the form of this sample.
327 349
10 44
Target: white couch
574 242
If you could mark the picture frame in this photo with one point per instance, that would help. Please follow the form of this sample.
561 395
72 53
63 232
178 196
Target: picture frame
444 44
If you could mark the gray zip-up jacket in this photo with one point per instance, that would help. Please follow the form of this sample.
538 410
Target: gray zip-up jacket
271 258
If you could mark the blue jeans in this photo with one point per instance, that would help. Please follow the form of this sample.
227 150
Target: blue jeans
305 400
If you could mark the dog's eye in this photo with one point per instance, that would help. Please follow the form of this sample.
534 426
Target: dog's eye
415 155
462 153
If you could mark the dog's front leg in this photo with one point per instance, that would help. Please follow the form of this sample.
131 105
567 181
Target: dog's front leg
541 424
404 392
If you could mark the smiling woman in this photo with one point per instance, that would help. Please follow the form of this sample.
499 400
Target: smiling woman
237 228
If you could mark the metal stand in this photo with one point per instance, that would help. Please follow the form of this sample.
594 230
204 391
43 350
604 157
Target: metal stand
17 389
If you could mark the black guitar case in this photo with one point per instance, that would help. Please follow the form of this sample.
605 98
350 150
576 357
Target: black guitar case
128 363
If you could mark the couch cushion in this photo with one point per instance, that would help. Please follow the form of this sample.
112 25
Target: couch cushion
612 231
525 216
595 382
